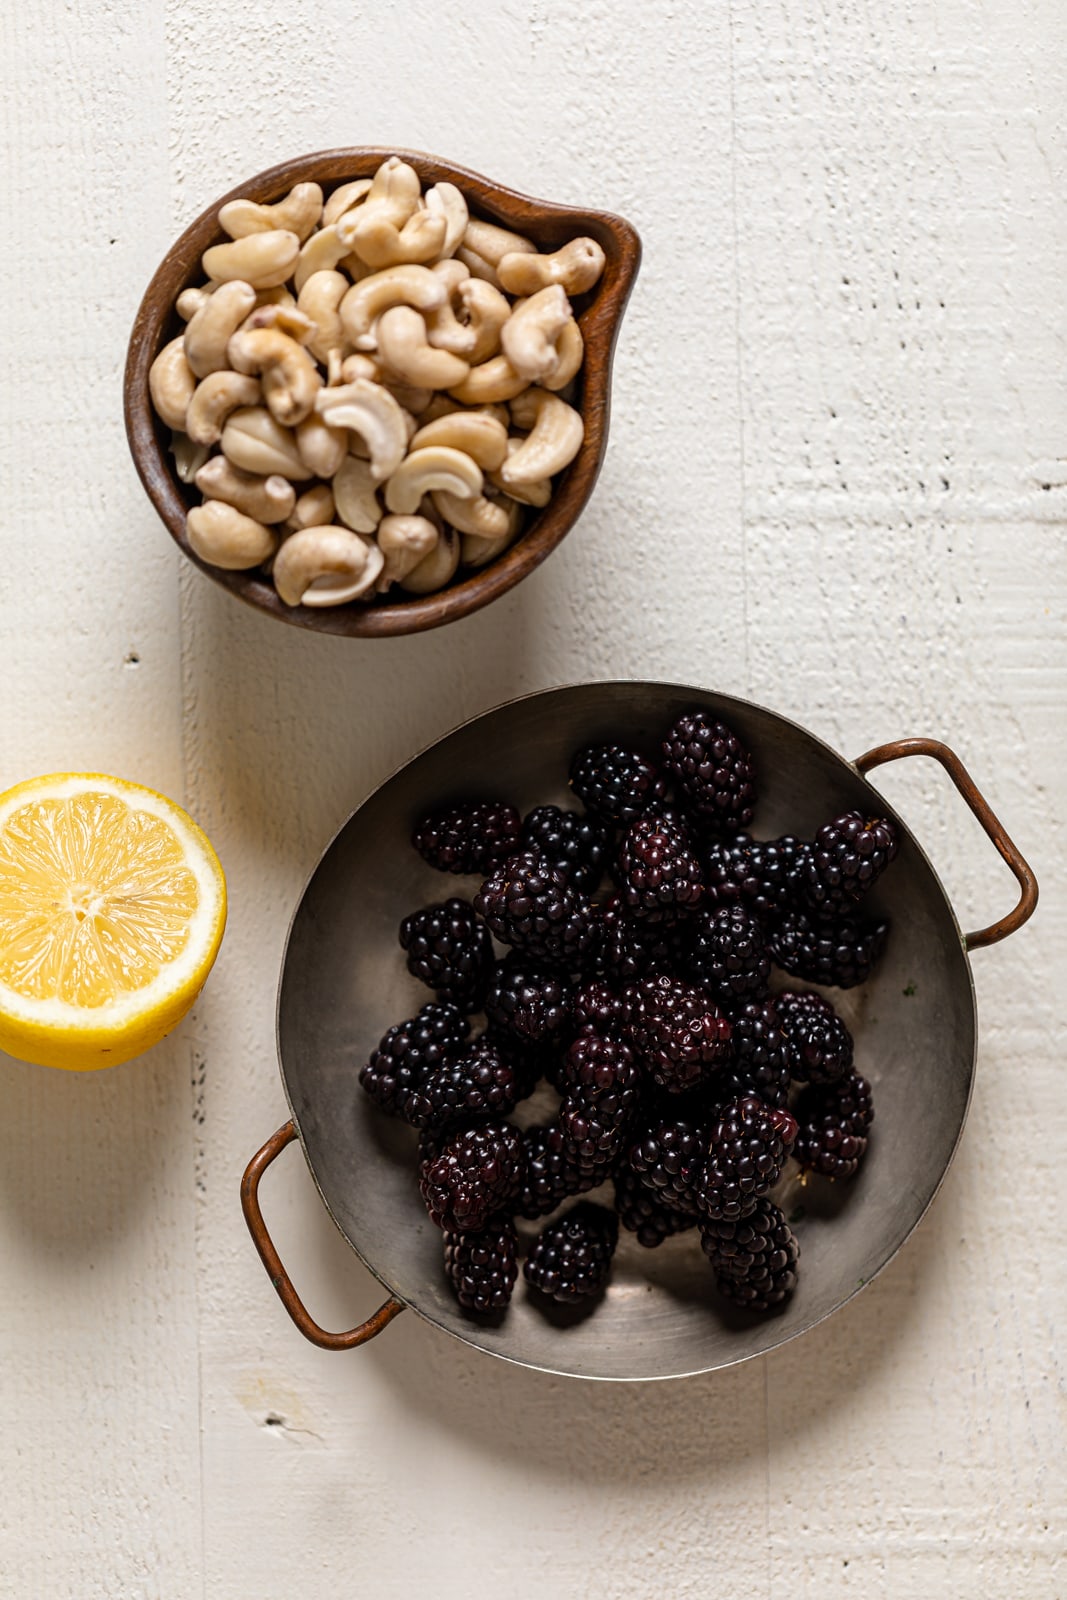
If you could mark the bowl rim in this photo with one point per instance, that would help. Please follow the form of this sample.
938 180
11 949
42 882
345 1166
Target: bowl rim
600 320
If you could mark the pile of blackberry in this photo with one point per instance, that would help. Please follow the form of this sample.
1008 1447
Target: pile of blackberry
624 955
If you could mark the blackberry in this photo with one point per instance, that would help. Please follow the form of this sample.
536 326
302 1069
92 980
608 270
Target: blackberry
450 950
409 1051
714 771
755 1259
530 905
468 837
728 954
479 1084
658 875
600 1100
760 1062
570 1260
818 1043
596 1006
677 1030
640 1212
628 949
747 1151
614 783
848 855
551 1173
595 1066
482 1267
528 1002
669 1160
832 1138
765 876
471 1174
570 841
835 951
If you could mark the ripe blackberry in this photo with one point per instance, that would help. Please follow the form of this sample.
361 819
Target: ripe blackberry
765 876
658 875
570 841
595 1066
818 1043
760 1062
528 1002
530 905
551 1173
614 783
471 1174
468 837
597 1111
595 1005
570 1260
677 1030
482 1267
832 1138
450 950
755 1259
669 1160
715 774
409 1051
640 1212
479 1084
747 1151
727 954
629 949
835 951
848 855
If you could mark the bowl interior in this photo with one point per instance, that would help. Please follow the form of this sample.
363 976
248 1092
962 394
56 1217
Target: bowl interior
344 982
598 312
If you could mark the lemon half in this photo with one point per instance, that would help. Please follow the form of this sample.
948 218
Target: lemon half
112 908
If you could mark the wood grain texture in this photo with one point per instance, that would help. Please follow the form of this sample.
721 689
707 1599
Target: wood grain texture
835 482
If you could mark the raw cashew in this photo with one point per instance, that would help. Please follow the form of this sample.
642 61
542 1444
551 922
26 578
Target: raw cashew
476 551
261 259
319 300
478 267
495 379
287 317
443 328
445 200
188 457
325 566
189 302
321 253
171 383
476 433
314 509
290 377
253 441
571 352
576 267
436 467
354 495
299 212
213 325
538 493
403 347
556 433
269 499
391 201
380 244
214 398
370 411
344 198
492 242
486 311
404 543
436 569
360 366
278 296
475 515
530 335
366 301
225 537
323 448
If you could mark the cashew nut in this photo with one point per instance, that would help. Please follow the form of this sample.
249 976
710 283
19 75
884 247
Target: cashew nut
476 433
486 311
360 366
261 259
354 495
225 537
380 244
529 336
373 228
556 433
254 441
476 551
190 300
445 200
576 267
290 377
367 300
443 328
435 467
278 296
571 352
286 316
268 499
478 267
369 410
492 243
321 253
495 379
403 347
319 300
475 515
344 198
188 457
322 447
171 382
314 509
213 325
214 398
299 212
537 494
325 566
404 542
436 569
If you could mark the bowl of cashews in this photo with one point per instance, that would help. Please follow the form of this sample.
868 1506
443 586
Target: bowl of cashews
368 391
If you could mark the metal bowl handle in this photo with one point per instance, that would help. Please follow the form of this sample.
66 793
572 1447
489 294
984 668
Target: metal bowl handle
277 1273
983 811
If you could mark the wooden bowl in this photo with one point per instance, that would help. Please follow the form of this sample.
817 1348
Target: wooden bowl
599 314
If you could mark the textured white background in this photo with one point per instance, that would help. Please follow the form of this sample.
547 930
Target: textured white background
836 483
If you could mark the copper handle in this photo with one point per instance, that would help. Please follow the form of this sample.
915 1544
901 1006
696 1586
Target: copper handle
983 811
277 1273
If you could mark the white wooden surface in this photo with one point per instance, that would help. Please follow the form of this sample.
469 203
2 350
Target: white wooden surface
836 483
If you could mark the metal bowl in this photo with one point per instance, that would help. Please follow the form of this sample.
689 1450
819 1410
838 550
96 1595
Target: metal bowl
343 983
